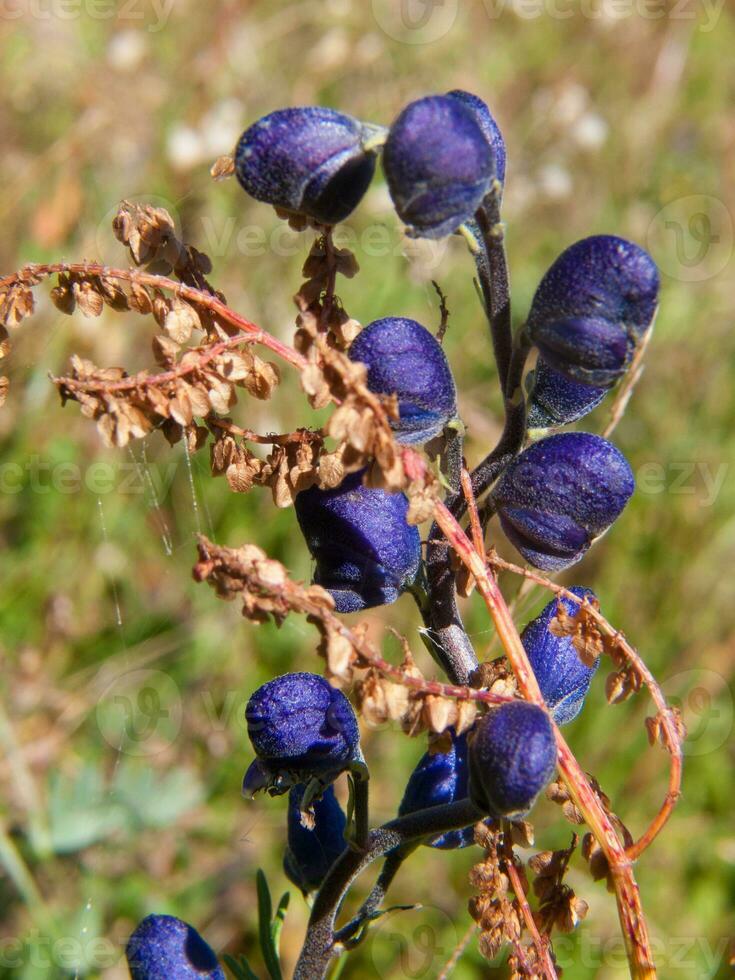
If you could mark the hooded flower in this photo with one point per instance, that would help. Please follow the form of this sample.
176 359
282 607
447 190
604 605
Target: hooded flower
593 307
312 852
512 756
165 948
439 165
563 678
440 777
404 359
308 160
301 728
560 494
365 551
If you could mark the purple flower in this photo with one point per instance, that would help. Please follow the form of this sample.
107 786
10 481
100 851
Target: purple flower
555 400
593 307
308 160
311 853
441 777
560 494
488 126
512 756
366 553
301 728
439 165
563 678
165 948
403 358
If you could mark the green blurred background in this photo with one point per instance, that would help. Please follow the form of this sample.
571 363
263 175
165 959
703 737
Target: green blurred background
618 119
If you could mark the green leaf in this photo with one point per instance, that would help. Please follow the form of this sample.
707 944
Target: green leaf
362 931
240 968
265 915
278 920
81 811
156 799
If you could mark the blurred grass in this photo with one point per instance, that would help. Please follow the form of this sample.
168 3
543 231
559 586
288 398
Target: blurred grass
608 121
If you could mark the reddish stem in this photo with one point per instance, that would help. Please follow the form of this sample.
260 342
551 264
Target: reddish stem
630 911
542 946
668 721
197 296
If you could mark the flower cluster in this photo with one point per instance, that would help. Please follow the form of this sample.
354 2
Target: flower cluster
396 423
444 160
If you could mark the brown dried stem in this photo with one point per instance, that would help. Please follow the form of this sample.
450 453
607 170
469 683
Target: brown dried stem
219 565
630 912
270 438
672 736
448 968
36 271
133 382
540 943
626 389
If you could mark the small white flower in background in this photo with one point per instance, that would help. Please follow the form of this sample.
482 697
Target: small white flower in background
221 126
555 182
126 50
590 131
216 133
185 147
569 104
330 52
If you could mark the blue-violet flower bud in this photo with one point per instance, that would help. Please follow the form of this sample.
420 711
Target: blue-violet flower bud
404 359
563 678
441 777
165 948
301 728
312 852
555 400
438 164
512 756
560 494
308 160
488 125
593 307
365 551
